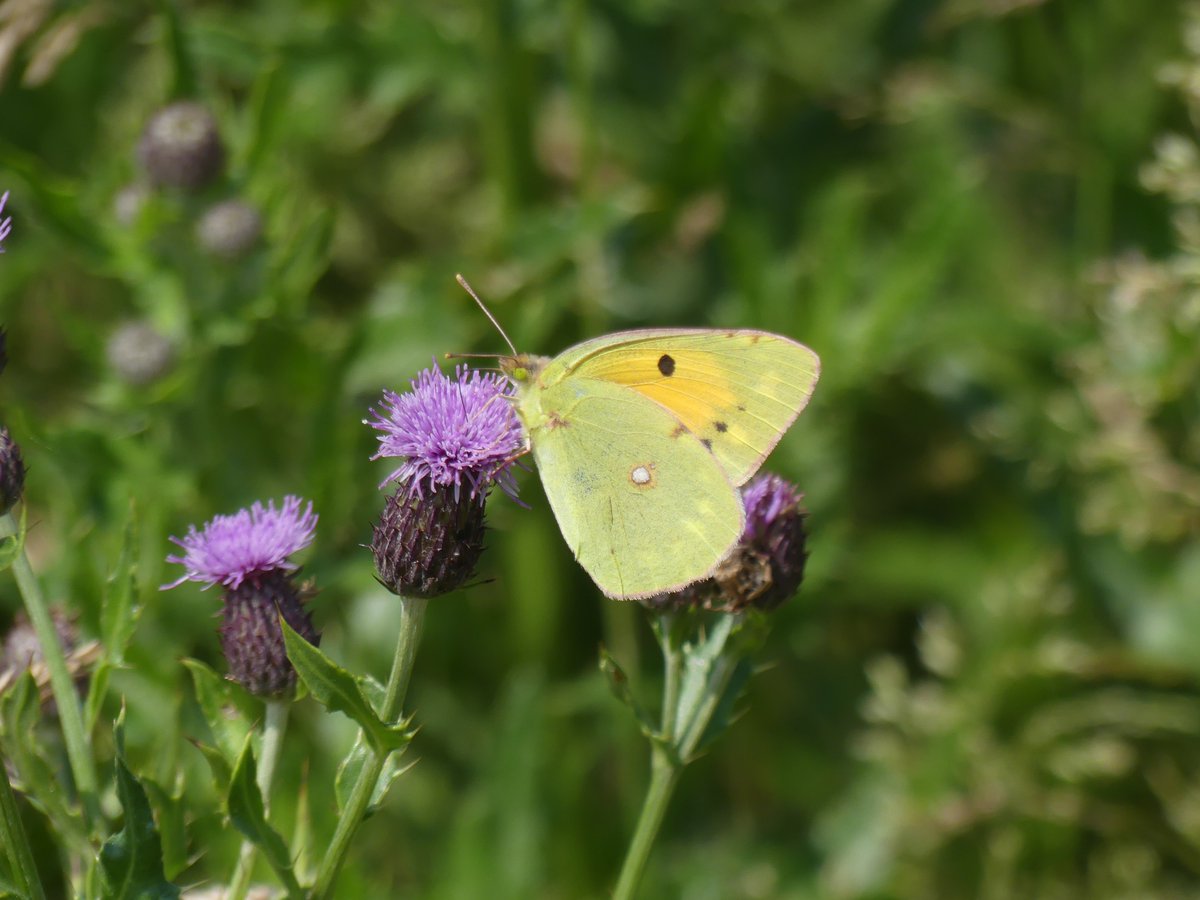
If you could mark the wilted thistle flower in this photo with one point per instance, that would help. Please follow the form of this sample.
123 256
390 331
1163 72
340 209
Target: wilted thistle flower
248 554
181 147
5 223
457 436
12 472
229 229
139 353
767 565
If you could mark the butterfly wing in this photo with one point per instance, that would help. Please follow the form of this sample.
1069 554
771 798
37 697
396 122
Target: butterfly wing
736 391
644 506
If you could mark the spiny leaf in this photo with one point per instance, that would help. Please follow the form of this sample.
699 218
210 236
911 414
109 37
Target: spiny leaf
339 691
11 546
227 708
131 862
618 683
118 615
245 804
348 772
172 823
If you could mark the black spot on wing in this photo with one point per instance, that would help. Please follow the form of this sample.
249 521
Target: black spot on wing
707 444
666 365
721 427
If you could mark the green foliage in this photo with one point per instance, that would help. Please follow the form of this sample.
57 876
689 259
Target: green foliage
131 861
983 217
245 805
339 691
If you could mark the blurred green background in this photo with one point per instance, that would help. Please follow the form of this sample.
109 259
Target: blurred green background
982 214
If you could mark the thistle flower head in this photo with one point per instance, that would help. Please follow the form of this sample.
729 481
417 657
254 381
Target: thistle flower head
5 223
459 433
246 545
765 567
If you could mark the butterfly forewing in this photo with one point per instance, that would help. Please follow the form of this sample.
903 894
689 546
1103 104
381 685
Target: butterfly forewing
644 507
736 391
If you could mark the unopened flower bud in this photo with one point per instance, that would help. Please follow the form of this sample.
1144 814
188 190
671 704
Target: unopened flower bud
138 353
229 229
181 147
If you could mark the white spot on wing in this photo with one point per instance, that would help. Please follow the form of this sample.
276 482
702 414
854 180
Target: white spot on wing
640 475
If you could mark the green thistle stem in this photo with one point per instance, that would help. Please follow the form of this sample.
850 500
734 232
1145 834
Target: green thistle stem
664 775
273 728
694 685
15 843
70 713
412 616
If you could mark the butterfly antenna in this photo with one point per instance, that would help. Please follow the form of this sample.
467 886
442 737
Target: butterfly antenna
470 290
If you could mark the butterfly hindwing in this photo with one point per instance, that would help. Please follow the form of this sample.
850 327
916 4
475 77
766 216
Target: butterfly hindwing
736 391
644 506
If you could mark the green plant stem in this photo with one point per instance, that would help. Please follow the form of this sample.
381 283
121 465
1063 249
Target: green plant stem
412 616
273 728
15 843
672 657
692 694
70 713
664 775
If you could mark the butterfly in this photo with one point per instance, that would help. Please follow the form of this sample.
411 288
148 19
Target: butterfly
642 439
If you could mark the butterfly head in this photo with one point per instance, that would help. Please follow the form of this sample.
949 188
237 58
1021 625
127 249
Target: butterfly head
523 368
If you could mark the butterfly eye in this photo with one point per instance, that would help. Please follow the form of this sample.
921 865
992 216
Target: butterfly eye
519 374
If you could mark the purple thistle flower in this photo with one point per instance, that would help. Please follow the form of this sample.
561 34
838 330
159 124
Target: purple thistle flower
6 223
459 432
765 567
246 545
766 498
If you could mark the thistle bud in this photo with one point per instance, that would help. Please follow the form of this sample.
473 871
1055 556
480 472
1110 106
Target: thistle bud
12 472
138 353
181 147
251 637
428 545
229 229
